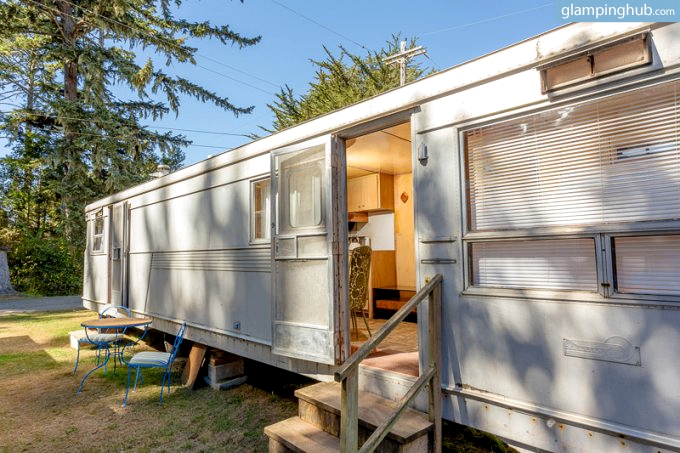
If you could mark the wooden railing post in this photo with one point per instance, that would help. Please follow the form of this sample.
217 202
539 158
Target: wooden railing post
349 413
434 348
348 376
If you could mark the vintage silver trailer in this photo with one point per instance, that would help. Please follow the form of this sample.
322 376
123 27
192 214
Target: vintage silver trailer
542 181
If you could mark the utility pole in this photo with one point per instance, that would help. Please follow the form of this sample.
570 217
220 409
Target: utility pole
403 57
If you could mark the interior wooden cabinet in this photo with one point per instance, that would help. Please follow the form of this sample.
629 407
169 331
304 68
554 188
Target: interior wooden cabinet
372 192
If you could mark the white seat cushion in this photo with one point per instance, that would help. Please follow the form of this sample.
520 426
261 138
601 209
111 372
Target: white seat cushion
149 358
100 338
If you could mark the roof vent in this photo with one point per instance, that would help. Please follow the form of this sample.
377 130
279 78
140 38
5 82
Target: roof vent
628 53
161 170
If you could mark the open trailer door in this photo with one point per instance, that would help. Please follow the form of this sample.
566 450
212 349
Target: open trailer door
309 270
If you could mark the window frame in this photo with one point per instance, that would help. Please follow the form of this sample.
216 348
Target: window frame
603 234
283 226
267 211
99 216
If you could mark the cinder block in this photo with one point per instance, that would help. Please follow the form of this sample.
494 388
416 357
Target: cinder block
227 383
229 370
75 336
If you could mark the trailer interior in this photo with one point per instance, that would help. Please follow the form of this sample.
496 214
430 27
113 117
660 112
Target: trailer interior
380 215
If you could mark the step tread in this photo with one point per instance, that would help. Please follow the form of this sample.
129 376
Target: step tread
300 436
373 410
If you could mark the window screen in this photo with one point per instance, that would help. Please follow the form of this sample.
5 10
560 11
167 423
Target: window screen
304 186
563 264
611 160
648 264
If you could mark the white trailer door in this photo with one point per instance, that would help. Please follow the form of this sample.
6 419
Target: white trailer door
118 255
308 182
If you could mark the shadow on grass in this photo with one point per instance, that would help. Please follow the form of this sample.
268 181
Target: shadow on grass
20 354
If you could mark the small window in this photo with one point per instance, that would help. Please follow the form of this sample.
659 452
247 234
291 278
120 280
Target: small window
260 211
98 234
564 264
302 191
648 264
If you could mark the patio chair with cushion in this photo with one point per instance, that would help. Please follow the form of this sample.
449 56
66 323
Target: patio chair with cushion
101 339
152 359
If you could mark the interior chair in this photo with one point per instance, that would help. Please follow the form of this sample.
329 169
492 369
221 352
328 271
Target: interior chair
152 359
102 339
359 268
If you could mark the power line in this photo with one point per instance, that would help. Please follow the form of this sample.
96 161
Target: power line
236 80
319 24
482 21
87 120
126 137
144 32
238 70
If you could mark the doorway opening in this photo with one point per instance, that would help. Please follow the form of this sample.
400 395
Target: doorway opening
381 216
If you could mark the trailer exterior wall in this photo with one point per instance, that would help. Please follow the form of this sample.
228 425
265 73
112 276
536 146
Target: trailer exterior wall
505 366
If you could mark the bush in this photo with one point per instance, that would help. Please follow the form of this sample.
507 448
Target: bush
46 266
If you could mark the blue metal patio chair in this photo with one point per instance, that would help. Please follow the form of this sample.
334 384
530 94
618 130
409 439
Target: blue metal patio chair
102 340
150 359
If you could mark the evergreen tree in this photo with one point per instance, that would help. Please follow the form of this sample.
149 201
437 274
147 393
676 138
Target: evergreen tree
340 81
75 137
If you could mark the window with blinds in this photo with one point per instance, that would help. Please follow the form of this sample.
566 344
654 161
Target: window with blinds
564 264
647 264
612 160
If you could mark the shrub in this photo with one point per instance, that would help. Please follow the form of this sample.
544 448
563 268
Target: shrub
46 266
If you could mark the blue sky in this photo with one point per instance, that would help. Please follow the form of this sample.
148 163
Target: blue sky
452 32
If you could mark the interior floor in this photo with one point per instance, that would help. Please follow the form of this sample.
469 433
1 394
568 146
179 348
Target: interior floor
398 352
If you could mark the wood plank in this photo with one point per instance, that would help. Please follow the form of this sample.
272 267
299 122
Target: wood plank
434 333
361 217
383 273
383 269
386 190
404 241
300 436
372 410
193 365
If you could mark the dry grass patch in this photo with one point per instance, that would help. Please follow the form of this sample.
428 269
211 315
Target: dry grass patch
41 411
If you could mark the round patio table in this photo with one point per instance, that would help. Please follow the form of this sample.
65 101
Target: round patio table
119 325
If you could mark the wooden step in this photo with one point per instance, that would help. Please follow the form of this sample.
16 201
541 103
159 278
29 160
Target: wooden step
319 404
296 435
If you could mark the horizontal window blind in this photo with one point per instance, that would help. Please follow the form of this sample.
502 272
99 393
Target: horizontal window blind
611 160
541 264
648 264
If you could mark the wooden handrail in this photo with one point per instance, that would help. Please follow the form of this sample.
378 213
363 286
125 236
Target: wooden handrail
387 328
348 375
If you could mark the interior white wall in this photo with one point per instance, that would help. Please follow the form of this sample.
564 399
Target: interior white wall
380 229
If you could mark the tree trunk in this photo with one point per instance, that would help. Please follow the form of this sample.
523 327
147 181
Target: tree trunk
5 285
68 24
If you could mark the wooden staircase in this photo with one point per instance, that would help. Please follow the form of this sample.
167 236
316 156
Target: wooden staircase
317 426
339 416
